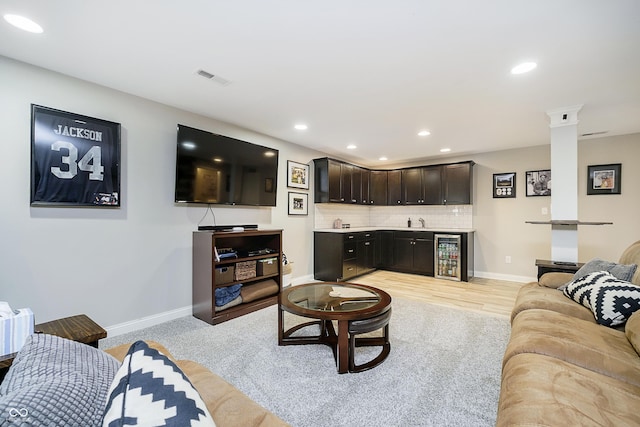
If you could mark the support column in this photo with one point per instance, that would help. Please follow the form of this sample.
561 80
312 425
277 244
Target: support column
564 182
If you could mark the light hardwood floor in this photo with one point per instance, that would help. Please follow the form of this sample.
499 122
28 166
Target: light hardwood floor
481 295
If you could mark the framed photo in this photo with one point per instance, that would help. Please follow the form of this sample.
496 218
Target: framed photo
297 175
298 203
504 185
75 159
538 183
604 179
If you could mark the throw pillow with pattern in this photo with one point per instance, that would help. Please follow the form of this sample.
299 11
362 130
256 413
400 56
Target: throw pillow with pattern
611 300
150 390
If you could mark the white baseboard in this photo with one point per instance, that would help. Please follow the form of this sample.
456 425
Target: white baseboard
145 322
508 277
156 319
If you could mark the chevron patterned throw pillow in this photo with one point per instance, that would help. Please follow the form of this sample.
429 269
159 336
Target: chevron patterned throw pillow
150 390
612 301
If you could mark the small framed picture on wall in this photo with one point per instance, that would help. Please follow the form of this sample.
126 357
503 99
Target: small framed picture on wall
297 175
538 183
504 185
604 179
298 203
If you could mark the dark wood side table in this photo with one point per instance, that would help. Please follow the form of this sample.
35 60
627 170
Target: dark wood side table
546 266
78 328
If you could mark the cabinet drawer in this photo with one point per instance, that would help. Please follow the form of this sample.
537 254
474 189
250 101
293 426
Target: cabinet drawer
349 269
349 250
350 237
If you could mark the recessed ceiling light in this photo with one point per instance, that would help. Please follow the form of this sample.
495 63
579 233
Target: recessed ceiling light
301 126
23 23
525 67
383 158
351 147
424 133
445 150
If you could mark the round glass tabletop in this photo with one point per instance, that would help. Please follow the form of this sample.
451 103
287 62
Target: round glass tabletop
333 297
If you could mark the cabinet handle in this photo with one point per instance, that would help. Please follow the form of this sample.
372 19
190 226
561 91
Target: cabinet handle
350 237
371 202
367 243
350 251
353 200
342 199
398 201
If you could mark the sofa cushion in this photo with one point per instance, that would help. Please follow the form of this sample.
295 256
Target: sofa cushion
611 300
532 296
540 390
150 389
620 271
582 343
57 382
632 331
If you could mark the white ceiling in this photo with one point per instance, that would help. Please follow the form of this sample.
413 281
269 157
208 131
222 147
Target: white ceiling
366 72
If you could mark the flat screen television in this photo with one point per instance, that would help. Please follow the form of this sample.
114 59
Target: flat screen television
217 169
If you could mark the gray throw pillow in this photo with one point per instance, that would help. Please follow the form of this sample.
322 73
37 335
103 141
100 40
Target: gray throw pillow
57 382
619 271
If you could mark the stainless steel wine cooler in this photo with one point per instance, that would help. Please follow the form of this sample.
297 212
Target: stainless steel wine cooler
448 255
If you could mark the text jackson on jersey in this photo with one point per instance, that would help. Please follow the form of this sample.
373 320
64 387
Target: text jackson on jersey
76 132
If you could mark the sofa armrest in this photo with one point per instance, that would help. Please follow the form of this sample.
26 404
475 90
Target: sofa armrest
555 279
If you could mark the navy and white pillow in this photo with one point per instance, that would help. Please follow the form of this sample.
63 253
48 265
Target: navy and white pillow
611 300
150 390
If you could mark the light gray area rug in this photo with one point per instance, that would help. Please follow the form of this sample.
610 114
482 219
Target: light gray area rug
443 370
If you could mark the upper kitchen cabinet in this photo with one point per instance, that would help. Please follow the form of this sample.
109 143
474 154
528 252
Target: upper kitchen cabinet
412 187
378 188
394 187
457 183
445 184
339 182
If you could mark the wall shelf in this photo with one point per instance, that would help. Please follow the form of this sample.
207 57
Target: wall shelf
569 222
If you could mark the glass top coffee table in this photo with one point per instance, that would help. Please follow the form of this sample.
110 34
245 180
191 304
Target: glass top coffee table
356 309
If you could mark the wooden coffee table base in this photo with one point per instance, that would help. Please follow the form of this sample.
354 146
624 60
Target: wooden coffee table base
339 342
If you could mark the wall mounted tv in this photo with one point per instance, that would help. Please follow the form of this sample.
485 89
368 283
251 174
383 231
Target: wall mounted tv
217 169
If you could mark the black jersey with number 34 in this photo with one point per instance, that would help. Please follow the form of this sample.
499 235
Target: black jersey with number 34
73 161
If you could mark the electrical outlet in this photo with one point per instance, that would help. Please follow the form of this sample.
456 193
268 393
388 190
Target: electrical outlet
507 259
545 211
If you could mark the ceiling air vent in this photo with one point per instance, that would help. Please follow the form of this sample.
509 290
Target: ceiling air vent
209 76
595 133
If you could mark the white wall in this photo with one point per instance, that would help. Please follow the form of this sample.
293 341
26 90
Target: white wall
116 265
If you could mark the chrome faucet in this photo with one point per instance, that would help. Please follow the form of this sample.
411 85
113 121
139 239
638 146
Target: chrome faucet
421 222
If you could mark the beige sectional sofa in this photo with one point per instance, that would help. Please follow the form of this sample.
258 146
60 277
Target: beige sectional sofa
561 368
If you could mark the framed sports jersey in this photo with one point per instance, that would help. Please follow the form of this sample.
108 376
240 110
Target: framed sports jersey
75 159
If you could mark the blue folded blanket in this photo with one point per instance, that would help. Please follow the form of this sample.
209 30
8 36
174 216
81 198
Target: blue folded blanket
227 294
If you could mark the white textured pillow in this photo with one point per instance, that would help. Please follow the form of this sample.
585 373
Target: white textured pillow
612 301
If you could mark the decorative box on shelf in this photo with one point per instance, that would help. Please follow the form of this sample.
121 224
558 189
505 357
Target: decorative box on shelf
224 274
245 270
267 266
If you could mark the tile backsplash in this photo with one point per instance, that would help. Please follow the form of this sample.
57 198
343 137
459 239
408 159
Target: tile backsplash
454 216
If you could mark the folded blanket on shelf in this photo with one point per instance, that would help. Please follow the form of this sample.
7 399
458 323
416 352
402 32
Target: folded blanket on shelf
227 294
